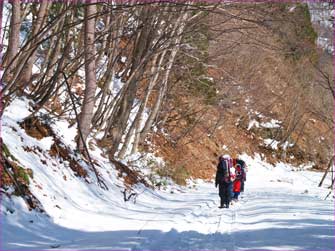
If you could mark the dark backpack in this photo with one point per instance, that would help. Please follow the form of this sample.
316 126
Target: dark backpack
225 165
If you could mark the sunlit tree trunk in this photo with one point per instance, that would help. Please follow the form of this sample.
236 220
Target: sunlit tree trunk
90 74
14 37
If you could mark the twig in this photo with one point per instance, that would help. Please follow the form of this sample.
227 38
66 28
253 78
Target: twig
127 198
328 194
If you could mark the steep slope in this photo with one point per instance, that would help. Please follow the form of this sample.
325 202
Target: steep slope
258 88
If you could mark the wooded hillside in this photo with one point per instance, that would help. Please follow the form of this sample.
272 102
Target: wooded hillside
187 81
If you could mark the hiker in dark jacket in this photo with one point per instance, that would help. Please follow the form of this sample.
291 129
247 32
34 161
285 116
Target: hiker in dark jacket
223 180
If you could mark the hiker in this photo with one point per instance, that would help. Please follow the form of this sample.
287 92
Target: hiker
243 172
237 182
223 180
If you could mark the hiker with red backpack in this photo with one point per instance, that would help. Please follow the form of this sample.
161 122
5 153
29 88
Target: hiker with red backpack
243 172
223 179
237 182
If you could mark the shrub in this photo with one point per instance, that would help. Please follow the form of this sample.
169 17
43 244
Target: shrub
180 174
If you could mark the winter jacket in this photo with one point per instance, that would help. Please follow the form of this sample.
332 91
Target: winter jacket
237 186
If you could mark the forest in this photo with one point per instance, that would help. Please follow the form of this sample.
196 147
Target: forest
127 106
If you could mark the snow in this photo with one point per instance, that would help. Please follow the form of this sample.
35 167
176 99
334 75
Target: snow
123 59
35 69
286 145
321 13
326 44
132 116
18 110
253 123
116 86
291 9
259 115
322 16
5 21
224 147
272 143
67 134
46 143
281 209
273 123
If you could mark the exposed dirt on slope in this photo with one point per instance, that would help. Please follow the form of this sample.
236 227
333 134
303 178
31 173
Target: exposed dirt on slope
268 75
130 176
198 151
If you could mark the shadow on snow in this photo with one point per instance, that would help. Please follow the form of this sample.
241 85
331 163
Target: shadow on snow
305 234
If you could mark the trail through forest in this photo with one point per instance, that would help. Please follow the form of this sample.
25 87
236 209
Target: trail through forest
276 212
113 116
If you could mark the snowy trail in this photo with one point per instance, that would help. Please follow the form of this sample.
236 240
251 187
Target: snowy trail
266 221
281 209
272 220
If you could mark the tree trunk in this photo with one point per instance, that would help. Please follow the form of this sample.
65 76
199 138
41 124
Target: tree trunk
140 57
90 74
137 121
105 31
50 64
330 167
148 124
25 75
155 110
14 37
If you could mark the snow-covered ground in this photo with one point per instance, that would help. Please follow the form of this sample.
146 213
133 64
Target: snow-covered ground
322 17
281 209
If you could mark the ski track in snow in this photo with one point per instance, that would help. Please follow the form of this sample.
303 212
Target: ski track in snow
280 209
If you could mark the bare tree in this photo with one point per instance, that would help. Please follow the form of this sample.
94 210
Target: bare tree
29 58
90 73
179 28
14 37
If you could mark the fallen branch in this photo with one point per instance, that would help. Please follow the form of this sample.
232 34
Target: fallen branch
127 198
328 194
330 165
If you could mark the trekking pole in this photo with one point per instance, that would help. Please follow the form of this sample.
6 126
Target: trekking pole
100 181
